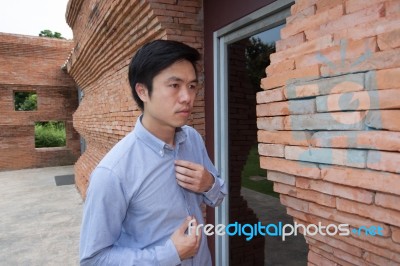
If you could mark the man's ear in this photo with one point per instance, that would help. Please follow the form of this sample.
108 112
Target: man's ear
142 92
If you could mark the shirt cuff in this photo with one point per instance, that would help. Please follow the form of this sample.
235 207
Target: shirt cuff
213 192
167 255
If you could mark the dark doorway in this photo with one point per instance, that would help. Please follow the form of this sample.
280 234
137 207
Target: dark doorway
251 195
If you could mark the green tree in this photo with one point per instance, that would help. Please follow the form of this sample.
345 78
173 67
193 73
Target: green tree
50 34
257 55
25 101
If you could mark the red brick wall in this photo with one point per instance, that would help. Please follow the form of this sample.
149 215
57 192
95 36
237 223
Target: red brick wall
330 102
34 64
107 34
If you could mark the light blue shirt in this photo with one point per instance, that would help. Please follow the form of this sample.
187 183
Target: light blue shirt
134 203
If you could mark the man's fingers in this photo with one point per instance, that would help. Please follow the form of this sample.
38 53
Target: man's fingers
184 171
187 164
186 179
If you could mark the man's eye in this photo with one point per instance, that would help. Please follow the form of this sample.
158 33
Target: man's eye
175 85
192 87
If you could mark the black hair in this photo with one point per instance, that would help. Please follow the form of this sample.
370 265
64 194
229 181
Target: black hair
154 57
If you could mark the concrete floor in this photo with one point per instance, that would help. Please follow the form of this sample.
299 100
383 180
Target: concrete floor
40 221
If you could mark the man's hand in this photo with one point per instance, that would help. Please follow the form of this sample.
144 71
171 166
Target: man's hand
193 176
187 245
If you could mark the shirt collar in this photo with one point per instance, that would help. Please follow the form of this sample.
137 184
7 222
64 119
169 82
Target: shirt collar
156 144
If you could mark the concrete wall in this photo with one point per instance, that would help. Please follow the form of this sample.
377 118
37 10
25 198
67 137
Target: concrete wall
107 34
34 64
330 107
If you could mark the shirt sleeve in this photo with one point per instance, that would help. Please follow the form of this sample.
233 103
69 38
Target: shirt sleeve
104 212
216 194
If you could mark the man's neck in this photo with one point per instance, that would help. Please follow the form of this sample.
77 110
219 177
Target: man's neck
162 131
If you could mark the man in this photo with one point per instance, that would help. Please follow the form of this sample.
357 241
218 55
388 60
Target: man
144 193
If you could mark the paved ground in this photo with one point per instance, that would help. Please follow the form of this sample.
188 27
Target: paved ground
291 252
40 221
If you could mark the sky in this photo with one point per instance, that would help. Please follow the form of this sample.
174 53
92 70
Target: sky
30 17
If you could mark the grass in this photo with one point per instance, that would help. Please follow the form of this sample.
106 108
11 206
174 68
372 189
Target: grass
50 134
252 168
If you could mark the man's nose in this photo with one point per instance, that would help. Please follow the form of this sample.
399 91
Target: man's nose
185 95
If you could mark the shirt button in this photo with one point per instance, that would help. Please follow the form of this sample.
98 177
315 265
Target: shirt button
162 153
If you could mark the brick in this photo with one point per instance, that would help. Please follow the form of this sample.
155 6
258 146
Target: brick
377 260
318 259
302 14
297 204
380 241
389 40
385 79
348 157
304 48
290 42
338 23
353 48
368 29
301 5
281 178
327 251
384 161
283 78
376 61
316 20
368 179
273 150
362 100
308 195
285 189
300 138
356 194
271 123
305 194
348 257
377 140
383 119
287 107
387 201
329 259
395 234
392 8
357 5
326 121
324 5
339 84
269 96
365 245
309 170
370 211
347 218
282 66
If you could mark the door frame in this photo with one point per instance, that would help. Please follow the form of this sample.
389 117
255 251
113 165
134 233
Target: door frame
261 20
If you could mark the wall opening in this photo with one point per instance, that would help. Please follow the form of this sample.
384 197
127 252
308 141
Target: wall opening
25 101
50 134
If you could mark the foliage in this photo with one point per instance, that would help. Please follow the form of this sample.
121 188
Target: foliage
252 168
50 134
257 55
50 34
25 101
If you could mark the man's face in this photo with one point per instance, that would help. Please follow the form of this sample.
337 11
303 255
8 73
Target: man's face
173 95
